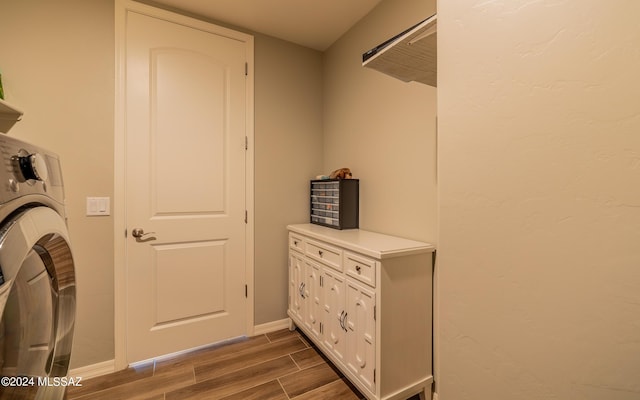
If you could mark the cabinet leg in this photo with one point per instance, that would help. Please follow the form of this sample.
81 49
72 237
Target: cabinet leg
424 394
292 325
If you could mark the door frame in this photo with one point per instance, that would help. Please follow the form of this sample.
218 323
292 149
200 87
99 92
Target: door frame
120 212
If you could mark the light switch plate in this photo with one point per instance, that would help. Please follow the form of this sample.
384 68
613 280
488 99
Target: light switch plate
97 206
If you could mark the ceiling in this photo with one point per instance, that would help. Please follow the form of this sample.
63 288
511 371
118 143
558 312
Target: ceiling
310 23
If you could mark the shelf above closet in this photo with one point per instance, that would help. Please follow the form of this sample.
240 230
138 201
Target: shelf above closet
9 115
409 56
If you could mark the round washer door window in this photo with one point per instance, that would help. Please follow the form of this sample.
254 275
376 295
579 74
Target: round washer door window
37 300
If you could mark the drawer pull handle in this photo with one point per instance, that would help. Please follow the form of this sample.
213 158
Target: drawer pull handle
320 253
295 242
358 268
301 290
343 320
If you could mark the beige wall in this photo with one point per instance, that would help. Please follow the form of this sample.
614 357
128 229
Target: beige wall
288 137
538 252
381 128
57 64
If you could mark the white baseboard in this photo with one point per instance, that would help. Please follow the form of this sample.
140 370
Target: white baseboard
271 326
94 370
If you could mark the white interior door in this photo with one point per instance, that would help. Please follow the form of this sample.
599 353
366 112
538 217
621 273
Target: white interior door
185 135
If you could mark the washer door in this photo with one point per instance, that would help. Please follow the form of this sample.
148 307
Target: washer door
37 300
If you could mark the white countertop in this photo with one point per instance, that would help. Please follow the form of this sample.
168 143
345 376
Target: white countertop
373 244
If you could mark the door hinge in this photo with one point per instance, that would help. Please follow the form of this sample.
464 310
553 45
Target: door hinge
125 234
246 143
374 312
246 291
246 216
374 375
246 69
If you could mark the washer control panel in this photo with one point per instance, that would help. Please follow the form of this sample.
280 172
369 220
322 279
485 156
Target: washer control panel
32 166
28 170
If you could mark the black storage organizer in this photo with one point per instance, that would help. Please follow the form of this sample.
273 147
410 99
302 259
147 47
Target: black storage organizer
335 203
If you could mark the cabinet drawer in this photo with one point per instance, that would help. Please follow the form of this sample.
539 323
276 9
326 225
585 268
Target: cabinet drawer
361 268
296 242
327 254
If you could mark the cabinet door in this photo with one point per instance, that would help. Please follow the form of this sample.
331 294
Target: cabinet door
361 336
313 298
334 329
296 286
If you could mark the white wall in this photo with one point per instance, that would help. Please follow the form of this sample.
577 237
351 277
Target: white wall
382 128
539 149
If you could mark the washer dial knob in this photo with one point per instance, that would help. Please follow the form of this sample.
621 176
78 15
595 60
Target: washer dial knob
33 166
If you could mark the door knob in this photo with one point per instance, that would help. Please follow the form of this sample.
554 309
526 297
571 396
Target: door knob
139 233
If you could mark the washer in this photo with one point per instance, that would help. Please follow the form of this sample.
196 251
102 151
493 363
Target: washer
37 274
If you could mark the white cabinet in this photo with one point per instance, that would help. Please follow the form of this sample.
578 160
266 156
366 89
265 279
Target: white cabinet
334 332
313 298
361 333
296 285
365 300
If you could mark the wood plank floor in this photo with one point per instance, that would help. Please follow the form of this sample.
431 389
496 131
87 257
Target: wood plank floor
278 366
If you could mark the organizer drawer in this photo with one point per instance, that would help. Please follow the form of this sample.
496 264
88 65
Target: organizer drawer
335 203
327 254
361 268
326 221
296 242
